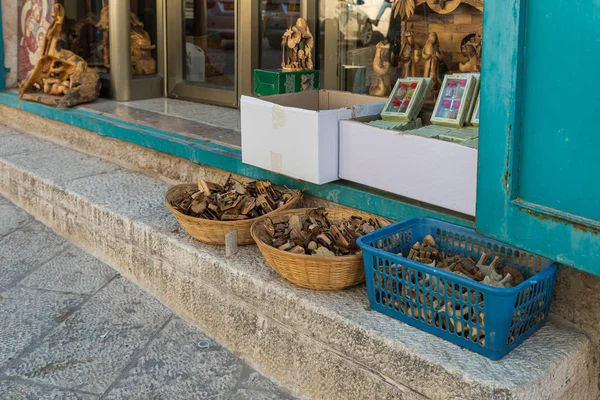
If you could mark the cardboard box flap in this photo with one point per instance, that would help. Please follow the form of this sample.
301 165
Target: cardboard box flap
321 100
308 100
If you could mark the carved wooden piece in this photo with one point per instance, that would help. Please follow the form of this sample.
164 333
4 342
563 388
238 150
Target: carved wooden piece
232 201
296 45
432 56
315 234
443 6
60 77
472 51
409 56
383 68
490 274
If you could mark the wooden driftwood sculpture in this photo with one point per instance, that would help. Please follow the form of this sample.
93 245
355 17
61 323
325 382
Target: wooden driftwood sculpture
63 78
299 41
382 67
142 61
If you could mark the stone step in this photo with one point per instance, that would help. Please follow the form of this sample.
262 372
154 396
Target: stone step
321 345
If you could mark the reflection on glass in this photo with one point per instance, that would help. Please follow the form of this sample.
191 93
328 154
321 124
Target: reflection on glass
277 16
143 36
359 26
210 46
88 33
82 32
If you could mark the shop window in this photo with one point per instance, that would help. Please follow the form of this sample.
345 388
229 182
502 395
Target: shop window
276 17
361 24
365 46
87 28
210 40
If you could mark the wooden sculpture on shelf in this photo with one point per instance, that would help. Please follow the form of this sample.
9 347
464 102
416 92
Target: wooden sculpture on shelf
299 41
382 67
60 78
472 51
142 61
432 56
409 56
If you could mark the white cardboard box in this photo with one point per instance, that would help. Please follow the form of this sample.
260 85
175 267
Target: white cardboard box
298 134
429 170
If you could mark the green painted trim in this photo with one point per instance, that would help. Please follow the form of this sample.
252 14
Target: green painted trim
229 159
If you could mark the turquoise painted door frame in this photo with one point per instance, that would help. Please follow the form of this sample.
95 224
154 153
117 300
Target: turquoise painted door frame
539 160
2 68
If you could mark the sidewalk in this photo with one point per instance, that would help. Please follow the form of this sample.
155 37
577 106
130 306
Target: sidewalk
72 328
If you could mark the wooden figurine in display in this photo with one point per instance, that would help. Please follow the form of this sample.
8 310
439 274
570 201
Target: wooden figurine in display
432 56
409 56
471 51
60 77
443 6
299 41
382 86
142 61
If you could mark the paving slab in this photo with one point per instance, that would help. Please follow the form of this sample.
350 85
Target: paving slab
90 349
73 271
72 329
20 390
27 315
131 193
19 144
12 218
5 131
59 165
26 249
181 361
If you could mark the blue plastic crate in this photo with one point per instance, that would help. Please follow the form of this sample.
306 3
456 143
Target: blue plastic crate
487 320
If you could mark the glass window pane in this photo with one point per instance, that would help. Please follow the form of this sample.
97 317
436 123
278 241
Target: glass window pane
210 45
87 28
80 32
143 36
276 17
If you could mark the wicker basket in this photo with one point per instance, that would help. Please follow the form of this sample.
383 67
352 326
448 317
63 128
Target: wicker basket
213 232
314 272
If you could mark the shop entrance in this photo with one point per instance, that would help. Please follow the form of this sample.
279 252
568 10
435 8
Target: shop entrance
202 44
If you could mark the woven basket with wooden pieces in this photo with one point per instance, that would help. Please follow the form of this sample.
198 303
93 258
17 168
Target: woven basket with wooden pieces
208 212
316 248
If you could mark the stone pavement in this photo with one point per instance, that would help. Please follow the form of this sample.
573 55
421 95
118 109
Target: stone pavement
72 328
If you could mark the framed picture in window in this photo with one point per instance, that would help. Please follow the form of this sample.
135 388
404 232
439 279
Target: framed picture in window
454 99
407 99
475 117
